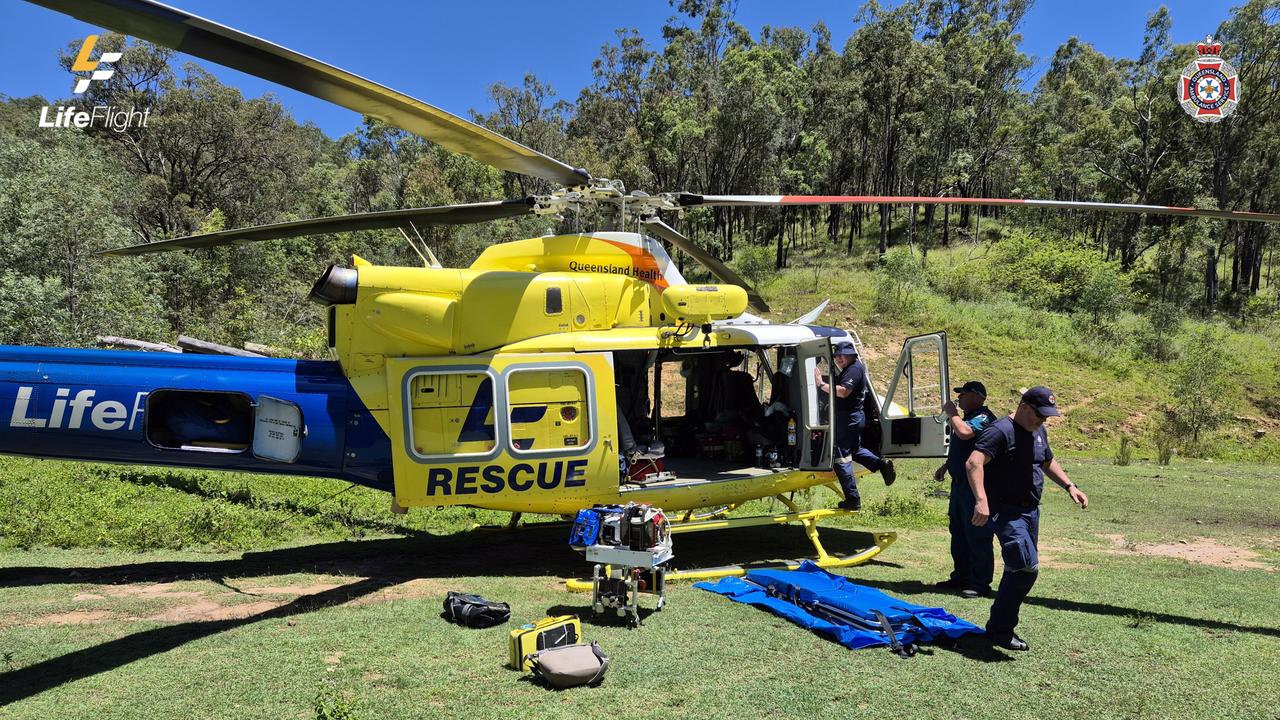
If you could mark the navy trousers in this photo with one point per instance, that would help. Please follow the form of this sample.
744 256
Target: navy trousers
849 449
1018 530
971 553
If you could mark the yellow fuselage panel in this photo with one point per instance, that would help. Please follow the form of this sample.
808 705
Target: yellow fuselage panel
605 254
702 304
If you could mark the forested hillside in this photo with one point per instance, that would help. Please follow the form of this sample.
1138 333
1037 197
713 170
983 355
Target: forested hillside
927 98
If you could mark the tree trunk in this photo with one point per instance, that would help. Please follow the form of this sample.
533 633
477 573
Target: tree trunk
1211 278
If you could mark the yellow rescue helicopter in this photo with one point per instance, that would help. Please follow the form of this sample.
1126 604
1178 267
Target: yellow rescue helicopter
553 374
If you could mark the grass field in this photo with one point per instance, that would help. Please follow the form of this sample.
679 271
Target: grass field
1158 601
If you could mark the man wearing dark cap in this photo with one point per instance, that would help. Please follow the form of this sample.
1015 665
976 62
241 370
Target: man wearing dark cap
1006 472
849 380
971 555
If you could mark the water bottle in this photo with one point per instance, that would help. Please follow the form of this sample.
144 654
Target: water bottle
759 456
791 432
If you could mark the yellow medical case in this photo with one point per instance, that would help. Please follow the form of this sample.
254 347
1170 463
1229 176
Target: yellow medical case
545 633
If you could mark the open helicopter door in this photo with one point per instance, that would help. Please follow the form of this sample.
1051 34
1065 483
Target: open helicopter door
277 429
817 412
911 415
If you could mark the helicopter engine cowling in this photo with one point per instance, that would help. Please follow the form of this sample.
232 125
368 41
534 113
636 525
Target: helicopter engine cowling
416 317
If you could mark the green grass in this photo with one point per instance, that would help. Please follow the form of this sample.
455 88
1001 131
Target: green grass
317 624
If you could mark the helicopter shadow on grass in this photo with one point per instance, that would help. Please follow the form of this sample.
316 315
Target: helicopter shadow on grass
531 551
373 565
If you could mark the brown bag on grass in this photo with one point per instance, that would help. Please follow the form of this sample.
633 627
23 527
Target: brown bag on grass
570 665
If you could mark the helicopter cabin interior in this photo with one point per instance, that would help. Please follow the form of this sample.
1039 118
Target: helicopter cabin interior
712 414
209 421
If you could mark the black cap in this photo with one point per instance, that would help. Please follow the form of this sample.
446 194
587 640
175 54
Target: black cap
972 386
844 348
1041 398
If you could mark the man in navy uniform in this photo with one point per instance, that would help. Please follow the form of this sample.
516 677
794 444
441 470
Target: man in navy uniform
850 382
1006 472
972 558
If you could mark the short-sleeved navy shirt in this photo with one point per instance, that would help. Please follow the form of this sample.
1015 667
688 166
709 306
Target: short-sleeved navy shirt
854 378
1014 476
960 449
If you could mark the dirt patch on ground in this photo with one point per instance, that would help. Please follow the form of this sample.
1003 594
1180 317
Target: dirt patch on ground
165 591
213 603
294 590
1205 551
75 617
203 610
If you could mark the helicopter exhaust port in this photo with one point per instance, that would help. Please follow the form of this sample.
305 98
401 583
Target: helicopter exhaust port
337 286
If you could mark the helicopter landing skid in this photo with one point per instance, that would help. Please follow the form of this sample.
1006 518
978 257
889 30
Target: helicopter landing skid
807 518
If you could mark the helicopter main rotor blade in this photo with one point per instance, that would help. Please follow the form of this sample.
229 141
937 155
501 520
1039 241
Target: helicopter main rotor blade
231 48
439 215
718 269
694 200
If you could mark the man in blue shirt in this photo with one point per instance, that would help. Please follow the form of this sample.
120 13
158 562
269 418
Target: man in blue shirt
1006 473
850 382
971 554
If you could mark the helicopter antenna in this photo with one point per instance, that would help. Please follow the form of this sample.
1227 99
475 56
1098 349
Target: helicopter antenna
425 262
434 262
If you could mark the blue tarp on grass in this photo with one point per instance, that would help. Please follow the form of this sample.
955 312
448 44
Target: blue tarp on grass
811 584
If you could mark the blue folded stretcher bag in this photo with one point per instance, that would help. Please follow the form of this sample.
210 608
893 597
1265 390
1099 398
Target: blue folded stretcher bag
853 615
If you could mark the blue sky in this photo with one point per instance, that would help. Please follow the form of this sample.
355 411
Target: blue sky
448 54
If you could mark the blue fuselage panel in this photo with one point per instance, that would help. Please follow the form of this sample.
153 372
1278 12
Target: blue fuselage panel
91 405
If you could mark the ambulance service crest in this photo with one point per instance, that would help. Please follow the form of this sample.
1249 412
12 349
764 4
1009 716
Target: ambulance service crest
1209 88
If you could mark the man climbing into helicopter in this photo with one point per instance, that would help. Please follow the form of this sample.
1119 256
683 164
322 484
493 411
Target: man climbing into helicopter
850 382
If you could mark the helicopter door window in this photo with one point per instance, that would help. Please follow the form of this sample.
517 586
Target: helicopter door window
200 421
550 409
555 301
451 413
277 430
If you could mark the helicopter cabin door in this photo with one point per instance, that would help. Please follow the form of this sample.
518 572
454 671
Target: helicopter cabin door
277 429
817 411
524 433
911 416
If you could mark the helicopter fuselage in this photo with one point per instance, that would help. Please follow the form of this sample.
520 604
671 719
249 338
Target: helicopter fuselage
499 386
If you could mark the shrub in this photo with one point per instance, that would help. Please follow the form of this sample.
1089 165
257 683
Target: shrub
1155 338
959 282
755 263
1200 387
896 280
1258 311
1058 274
1124 453
1165 440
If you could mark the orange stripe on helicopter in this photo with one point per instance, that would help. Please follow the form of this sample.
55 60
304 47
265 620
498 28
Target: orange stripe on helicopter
644 263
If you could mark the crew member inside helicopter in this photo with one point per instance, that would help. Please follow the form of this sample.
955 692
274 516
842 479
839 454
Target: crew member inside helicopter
642 450
849 381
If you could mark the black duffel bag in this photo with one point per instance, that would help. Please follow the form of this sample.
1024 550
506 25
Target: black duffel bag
474 611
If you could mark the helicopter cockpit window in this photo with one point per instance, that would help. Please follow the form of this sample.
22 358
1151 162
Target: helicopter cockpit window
199 420
549 409
451 413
